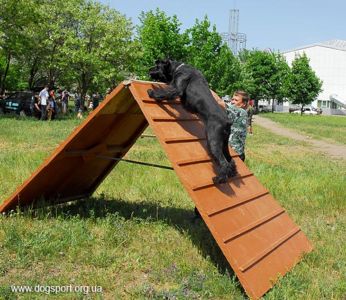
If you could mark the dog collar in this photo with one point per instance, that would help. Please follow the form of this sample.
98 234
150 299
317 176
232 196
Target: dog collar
179 66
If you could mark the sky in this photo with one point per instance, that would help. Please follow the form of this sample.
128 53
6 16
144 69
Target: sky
268 24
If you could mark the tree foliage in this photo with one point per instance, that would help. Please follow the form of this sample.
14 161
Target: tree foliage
225 72
86 46
212 57
77 43
99 47
159 37
15 17
200 46
204 46
303 84
258 69
264 75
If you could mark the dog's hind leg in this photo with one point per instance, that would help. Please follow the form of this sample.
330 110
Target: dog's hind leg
215 140
227 132
232 171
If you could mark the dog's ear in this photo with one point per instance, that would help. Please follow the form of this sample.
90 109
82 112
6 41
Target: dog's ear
167 65
167 61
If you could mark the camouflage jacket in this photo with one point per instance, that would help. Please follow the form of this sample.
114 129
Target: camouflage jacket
250 112
238 129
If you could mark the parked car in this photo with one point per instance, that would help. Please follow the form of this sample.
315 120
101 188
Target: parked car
264 108
294 108
18 103
310 111
307 111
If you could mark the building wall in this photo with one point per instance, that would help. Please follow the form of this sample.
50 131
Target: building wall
330 66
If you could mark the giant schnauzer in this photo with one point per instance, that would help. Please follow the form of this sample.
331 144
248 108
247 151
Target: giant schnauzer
189 84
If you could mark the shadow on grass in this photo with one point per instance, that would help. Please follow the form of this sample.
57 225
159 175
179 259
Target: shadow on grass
71 115
182 219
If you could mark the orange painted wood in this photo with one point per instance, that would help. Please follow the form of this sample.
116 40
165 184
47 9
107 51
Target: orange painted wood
75 169
254 232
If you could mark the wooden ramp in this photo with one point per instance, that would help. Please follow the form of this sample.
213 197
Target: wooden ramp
254 232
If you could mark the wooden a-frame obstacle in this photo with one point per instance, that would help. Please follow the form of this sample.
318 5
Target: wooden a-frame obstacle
255 234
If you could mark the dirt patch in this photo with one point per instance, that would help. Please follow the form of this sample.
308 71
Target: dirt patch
333 150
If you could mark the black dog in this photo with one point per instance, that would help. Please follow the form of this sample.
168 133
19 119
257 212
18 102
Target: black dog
190 85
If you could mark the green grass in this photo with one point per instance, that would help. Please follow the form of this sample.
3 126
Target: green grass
135 237
24 144
326 127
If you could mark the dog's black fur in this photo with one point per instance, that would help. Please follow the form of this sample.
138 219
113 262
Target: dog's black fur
190 85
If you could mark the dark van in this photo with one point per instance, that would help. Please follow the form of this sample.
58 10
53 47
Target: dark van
18 103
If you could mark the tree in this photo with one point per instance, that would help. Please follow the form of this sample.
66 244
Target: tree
15 17
225 72
15 77
204 47
159 36
303 84
277 84
98 47
76 43
48 57
257 69
264 75
207 52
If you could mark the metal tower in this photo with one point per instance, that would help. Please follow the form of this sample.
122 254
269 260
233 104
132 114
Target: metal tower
235 40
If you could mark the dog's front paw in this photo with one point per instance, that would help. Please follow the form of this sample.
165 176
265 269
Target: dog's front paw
219 179
150 93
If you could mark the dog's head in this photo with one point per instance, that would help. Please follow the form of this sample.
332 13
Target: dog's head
162 71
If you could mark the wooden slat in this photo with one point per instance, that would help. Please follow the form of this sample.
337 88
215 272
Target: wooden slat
173 119
183 139
270 248
194 161
253 225
151 101
236 202
111 148
211 183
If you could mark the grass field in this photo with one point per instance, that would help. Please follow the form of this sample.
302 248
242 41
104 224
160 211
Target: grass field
325 127
135 237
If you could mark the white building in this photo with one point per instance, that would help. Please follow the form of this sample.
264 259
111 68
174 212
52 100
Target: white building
328 60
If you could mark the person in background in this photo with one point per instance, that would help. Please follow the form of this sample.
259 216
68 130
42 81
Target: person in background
96 100
37 108
80 108
51 106
77 102
250 112
87 102
34 106
43 102
64 101
58 105
32 103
